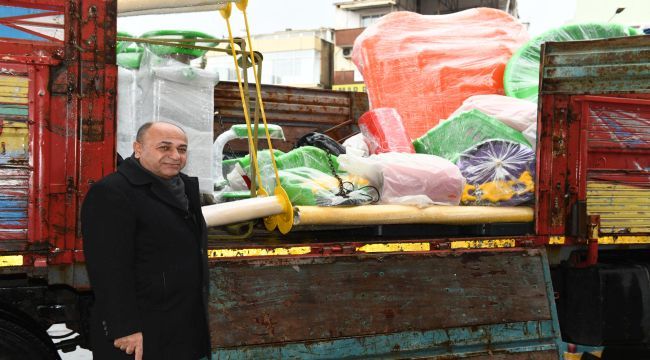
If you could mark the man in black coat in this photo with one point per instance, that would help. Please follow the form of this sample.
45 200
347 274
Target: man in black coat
145 247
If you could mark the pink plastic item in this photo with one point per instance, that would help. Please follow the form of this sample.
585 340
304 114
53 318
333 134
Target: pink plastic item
424 66
409 179
384 131
517 113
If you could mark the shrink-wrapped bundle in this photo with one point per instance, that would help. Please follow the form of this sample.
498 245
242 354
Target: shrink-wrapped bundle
424 66
499 173
463 131
409 179
384 131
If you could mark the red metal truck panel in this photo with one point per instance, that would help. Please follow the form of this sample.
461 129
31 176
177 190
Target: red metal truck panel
66 50
594 138
617 169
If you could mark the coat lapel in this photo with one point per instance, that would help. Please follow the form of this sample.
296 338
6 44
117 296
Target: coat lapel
192 192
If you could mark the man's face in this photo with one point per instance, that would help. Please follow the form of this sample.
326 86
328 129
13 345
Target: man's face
163 150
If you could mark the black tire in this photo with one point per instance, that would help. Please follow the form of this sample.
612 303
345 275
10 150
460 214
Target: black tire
18 343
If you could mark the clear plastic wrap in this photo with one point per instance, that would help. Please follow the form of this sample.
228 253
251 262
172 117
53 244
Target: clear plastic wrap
426 65
531 135
409 179
356 145
521 78
498 173
237 131
384 131
307 186
302 157
463 131
128 96
263 157
182 95
516 113
308 156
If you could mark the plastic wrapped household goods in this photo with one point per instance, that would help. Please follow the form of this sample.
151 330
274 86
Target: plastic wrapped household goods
521 77
531 135
307 186
121 45
303 157
321 141
463 131
516 113
181 53
263 157
424 66
236 131
498 173
130 57
128 53
408 179
183 95
128 95
308 156
356 145
384 131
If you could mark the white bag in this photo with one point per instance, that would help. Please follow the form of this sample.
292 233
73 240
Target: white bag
408 179
516 113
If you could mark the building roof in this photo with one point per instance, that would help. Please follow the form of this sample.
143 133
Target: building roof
363 4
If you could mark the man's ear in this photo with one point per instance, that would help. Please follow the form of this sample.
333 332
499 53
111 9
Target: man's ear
137 149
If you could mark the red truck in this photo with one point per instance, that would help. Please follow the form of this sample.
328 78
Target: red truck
578 272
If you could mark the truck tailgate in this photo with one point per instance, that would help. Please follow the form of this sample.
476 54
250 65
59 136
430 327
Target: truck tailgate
438 303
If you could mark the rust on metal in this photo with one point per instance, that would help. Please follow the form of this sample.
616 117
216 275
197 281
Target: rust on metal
608 66
298 111
269 301
595 138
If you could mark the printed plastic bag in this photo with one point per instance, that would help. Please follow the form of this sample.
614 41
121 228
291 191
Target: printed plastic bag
410 179
463 131
498 173
424 66
307 186
516 113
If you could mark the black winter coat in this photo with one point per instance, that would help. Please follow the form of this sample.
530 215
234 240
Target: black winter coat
147 264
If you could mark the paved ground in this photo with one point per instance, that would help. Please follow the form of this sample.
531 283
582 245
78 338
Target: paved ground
79 354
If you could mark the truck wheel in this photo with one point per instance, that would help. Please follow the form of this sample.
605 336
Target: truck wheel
18 343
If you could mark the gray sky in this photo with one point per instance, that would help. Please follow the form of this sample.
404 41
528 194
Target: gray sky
267 16
264 16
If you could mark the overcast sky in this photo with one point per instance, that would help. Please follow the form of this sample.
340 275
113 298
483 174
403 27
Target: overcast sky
267 16
264 16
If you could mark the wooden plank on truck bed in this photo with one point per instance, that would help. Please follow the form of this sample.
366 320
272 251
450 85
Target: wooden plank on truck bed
440 304
298 110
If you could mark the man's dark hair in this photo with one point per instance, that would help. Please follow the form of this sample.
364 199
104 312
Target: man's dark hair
145 127
142 130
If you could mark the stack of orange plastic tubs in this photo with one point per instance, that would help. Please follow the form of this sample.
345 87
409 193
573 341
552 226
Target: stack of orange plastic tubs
425 66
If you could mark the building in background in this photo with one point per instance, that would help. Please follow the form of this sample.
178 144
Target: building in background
627 12
301 58
352 17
